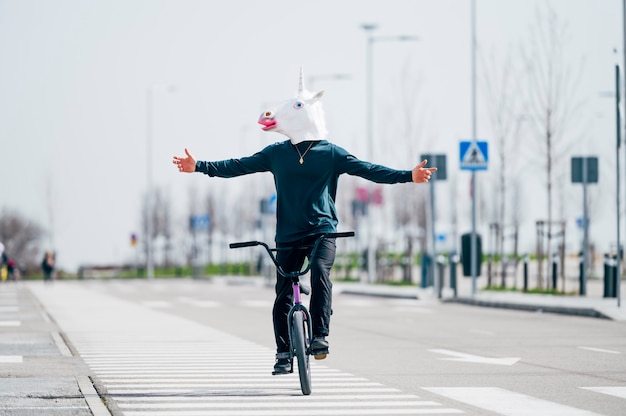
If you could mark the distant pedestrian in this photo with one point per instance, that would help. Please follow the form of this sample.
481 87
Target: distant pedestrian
47 265
4 258
13 270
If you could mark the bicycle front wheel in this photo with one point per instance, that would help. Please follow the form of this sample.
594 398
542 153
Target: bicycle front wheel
300 344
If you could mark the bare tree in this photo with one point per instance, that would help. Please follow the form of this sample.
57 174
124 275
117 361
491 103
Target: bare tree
551 92
501 91
22 239
161 217
410 203
163 222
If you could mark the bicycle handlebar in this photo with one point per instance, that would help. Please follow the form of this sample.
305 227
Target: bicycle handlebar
273 257
244 244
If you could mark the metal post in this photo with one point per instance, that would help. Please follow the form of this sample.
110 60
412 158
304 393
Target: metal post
619 127
619 140
474 266
369 28
149 213
583 281
526 273
433 237
371 255
554 271
453 265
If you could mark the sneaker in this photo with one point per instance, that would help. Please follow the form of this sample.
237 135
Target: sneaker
319 347
283 364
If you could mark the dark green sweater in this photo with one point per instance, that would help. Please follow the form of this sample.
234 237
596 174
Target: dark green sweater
305 192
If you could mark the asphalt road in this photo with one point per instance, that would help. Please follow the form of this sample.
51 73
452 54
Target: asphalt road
186 348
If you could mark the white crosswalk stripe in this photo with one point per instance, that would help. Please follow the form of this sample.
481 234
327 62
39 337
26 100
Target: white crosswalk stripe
153 363
508 403
617 391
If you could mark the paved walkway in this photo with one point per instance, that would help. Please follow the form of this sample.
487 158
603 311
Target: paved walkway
593 304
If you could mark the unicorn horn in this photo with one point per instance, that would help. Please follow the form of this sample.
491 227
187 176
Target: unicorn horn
301 83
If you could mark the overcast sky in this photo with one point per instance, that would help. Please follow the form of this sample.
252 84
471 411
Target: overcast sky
75 76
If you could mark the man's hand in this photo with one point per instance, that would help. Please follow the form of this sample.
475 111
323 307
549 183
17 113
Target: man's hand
185 164
421 174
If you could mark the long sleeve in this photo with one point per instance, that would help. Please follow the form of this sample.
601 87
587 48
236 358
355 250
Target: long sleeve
370 171
230 168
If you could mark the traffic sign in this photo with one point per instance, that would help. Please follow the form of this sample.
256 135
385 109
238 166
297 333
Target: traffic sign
200 222
438 161
474 155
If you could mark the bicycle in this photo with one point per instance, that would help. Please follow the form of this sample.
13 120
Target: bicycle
299 318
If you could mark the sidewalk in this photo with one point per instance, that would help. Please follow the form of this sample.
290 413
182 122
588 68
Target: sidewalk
39 373
591 305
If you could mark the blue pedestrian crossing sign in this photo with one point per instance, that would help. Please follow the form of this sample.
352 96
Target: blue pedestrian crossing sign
474 155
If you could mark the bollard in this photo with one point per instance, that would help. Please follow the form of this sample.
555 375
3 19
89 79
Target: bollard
454 260
610 277
526 273
425 268
554 272
441 265
581 290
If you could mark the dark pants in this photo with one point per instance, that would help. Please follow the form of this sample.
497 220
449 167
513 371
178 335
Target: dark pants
292 259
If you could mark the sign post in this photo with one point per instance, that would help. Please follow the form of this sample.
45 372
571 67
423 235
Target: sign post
474 156
585 171
201 222
440 175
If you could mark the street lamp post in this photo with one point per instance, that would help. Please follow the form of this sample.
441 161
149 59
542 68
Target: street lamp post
474 241
150 92
371 39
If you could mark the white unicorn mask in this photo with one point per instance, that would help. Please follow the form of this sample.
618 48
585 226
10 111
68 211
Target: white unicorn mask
300 118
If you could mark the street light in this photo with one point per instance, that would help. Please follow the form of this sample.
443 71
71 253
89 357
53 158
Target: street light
150 92
371 39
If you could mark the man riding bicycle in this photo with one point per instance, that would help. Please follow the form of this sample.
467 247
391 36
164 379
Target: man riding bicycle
306 169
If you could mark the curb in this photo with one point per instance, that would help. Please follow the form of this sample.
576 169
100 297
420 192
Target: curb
563 310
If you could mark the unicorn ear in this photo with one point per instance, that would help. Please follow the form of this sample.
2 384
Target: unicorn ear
317 96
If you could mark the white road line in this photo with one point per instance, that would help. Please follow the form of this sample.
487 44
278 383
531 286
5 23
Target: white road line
201 370
10 323
507 403
11 359
274 398
301 412
599 350
133 376
294 405
611 391
285 383
208 379
291 392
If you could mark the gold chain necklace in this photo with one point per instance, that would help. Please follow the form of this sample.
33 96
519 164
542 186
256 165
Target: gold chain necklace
302 154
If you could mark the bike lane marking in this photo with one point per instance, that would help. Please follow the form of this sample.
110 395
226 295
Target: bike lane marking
128 344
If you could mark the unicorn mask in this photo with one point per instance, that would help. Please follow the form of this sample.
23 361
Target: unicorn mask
300 118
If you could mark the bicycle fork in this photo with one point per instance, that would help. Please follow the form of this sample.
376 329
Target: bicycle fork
298 307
